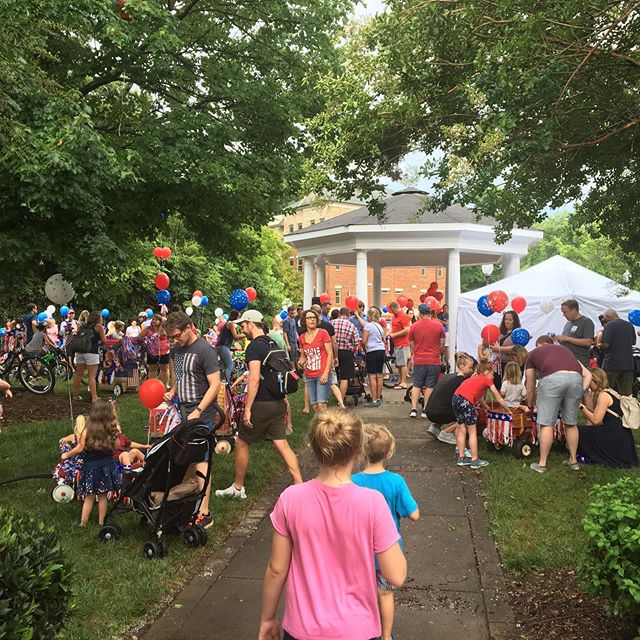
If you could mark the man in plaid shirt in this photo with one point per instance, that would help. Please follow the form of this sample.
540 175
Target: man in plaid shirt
348 340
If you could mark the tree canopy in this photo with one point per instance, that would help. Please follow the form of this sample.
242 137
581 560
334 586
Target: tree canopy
116 115
519 105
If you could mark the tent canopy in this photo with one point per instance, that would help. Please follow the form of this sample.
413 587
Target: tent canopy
554 280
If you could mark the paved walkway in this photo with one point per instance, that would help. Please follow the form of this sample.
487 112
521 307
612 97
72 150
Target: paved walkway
455 587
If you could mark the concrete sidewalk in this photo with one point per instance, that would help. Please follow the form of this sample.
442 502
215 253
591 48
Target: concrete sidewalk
455 587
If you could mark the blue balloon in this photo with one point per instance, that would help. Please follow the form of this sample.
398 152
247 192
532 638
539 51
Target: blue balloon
483 306
384 309
634 317
105 313
283 314
42 316
204 302
163 296
520 337
238 299
225 316
2 331
64 311
149 313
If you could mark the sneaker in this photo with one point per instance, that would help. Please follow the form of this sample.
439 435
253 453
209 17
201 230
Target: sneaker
423 415
574 466
447 438
464 462
231 492
536 467
376 403
205 520
478 464
434 431
413 413
467 453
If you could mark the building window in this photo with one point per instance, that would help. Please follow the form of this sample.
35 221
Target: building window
290 228
338 290
299 226
299 264
312 222
439 272
398 291
291 261
337 267
385 289
423 271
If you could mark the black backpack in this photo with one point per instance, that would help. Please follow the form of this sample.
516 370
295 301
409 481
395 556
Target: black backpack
82 341
277 372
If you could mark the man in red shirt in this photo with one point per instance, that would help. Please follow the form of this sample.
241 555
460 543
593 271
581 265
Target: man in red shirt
400 324
427 337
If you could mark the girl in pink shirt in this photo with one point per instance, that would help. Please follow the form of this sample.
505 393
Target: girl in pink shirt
326 532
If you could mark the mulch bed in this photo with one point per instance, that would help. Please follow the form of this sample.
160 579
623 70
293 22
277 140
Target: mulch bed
551 605
29 407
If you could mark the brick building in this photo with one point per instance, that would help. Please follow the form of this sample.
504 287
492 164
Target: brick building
340 280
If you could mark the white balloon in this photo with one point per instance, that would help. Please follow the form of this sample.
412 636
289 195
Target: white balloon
51 309
218 312
196 301
48 313
189 311
58 290
546 306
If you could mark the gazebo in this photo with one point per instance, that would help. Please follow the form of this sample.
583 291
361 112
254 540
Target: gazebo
407 237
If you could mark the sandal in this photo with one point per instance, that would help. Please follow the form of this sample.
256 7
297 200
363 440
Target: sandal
399 386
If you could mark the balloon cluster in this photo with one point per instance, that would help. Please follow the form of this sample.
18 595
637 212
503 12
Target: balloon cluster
162 280
634 317
162 253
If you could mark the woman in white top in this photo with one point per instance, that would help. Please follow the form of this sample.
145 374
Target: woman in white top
375 347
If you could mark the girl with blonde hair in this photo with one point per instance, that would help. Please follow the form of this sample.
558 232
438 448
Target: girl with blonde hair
326 533
375 348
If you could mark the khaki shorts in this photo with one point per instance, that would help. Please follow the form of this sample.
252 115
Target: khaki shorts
268 419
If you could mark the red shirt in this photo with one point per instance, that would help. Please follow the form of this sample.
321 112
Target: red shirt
316 353
122 444
398 323
474 388
426 335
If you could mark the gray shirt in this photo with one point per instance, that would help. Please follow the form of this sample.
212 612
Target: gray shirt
581 327
193 364
620 336
36 343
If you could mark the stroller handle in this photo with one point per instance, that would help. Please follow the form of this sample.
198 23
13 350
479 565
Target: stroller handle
216 407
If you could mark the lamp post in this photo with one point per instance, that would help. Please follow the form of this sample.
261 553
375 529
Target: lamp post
487 270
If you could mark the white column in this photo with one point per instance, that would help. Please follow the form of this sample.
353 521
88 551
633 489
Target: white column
308 281
361 277
510 265
453 293
321 276
377 286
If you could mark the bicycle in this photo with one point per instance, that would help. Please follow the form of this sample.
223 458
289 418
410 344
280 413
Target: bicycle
9 366
37 373
392 378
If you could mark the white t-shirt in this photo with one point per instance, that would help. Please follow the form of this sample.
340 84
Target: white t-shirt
513 394
133 332
375 340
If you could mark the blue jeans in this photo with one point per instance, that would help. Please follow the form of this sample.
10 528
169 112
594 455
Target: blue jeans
318 393
224 353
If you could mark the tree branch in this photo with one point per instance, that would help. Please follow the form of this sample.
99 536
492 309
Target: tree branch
96 83
600 138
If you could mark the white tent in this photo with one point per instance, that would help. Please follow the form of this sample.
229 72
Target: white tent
553 280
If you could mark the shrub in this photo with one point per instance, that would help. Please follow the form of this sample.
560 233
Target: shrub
611 562
34 583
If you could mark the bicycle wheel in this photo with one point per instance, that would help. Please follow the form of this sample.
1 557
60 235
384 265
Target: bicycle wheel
36 376
9 372
63 370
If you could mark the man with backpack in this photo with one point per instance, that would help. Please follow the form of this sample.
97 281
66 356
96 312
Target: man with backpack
268 382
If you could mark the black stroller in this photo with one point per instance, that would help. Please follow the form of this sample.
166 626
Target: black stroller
357 385
159 492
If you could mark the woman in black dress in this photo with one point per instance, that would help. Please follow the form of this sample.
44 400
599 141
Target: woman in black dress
605 440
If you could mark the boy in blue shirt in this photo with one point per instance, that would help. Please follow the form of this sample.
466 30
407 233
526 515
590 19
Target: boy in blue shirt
379 446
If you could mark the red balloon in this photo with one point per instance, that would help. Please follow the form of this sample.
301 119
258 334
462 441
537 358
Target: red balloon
423 297
157 252
518 304
151 392
438 295
166 253
410 303
497 301
198 293
351 302
402 300
432 302
434 286
251 293
325 297
490 333
162 281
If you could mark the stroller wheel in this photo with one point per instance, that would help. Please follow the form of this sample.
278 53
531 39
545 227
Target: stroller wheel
62 493
118 390
201 532
191 537
155 549
109 532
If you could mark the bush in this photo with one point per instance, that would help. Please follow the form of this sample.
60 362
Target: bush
34 583
611 562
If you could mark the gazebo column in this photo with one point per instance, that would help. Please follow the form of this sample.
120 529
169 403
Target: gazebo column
308 281
510 265
362 288
377 286
453 293
321 276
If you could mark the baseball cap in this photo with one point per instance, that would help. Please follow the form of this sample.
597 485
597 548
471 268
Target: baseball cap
250 315
424 309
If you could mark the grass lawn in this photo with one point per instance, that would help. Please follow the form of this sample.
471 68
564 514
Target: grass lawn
113 584
537 518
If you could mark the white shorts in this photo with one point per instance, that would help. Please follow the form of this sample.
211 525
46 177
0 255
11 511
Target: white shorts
402 355
87 358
